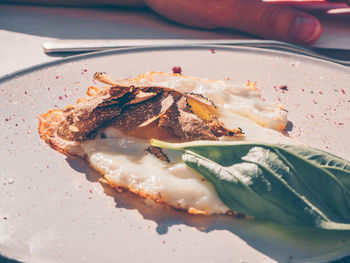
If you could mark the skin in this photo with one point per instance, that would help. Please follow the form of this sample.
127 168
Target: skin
251 16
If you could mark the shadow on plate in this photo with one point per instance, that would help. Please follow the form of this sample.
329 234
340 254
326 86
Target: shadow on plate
281 243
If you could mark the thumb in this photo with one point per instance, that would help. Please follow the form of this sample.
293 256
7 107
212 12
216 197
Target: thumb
251 16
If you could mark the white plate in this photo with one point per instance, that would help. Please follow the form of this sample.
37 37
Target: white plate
53 209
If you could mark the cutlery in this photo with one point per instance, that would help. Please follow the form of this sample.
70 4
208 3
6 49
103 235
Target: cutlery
88 45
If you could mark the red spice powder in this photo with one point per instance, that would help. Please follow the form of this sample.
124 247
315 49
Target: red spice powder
283 87
176 69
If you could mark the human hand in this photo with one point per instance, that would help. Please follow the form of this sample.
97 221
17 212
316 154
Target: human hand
251 16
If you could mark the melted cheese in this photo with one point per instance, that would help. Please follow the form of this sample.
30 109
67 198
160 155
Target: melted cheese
125 161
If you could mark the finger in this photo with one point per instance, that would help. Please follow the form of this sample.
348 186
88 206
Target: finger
252 16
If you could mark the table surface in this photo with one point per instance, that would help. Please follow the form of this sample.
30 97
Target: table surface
23 30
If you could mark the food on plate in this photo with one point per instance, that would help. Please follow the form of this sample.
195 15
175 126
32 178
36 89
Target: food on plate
112 127
284 183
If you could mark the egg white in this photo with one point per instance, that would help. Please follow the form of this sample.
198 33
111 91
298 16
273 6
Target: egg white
126 163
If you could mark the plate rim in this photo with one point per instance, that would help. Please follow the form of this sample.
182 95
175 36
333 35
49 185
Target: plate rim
114 51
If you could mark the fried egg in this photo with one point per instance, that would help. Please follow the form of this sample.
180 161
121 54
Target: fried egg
125 162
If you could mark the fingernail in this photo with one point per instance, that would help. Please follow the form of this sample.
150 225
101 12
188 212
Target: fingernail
305 29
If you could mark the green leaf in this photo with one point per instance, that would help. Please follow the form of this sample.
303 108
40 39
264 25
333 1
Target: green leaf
287 184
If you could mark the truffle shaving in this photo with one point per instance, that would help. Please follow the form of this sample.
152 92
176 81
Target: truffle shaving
152 112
